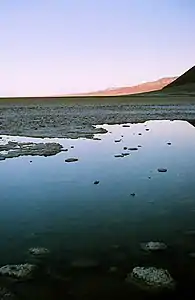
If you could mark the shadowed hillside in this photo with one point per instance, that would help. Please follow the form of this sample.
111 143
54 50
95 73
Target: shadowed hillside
185 82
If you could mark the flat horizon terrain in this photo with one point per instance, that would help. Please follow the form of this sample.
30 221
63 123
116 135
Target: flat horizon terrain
74 117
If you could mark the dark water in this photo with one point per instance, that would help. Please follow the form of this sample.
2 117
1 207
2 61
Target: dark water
54 204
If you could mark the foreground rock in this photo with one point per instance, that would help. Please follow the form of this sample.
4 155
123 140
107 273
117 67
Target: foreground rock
39 251
23 271
153 246
151 278
16 149
5 294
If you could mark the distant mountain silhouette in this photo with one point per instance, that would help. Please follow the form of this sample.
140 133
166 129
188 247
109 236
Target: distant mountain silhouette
185 82
141 88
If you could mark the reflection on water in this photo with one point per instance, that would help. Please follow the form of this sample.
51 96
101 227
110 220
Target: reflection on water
56 205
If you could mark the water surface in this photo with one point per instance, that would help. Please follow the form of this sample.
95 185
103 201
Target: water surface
56 205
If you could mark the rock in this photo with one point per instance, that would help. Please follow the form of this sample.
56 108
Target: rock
151 278
71 159
16 149
96 139
168 143
118 141
125 154
147 129
149 177
5 294
17 271
125 125
139 146
39 251
118 155
2 158
96 182
133 194
85 263
133 149
125 148
71 147
162 170
139 133
30 161
153 246
65 150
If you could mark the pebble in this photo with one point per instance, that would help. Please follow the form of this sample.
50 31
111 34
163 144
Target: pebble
162 170
118 155
96 182
125 125
117 141
133 194
71 159
133 149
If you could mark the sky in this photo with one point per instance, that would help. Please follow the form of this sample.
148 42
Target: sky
56 47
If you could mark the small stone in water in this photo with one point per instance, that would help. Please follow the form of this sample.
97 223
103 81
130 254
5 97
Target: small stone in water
117 141
133 194
147 129
162 170
140 133
72 147
125 153
96 182
133 149
153 246
169 143
71 159
125 148
39 251
139 146
118 155
125 125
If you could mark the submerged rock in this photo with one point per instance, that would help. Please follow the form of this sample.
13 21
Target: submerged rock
39 251
125 125
162 170
133 194
5 294
125 148
147 129
71 159
153 246
139 133
151 278
169 143
125 154
17 271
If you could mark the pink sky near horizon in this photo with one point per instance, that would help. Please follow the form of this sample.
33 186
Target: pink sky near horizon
64 47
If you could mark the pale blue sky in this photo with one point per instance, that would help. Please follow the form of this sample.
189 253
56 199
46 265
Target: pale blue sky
50 47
